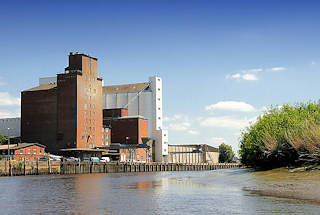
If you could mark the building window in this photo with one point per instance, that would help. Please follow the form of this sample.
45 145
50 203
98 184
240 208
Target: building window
107 129
21 151
85 105
107 136
29 151
34 151
158 89
34 159
102 136
159 117
107 142
158 99
102 129
40 151
102 143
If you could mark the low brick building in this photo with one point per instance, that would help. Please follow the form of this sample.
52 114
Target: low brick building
24 151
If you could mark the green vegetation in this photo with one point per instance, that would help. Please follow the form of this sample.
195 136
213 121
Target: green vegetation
226 155
286 136
3 139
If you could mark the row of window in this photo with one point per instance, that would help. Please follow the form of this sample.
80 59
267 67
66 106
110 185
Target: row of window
105 129
105 143
29 151
86 105
86 112
105 136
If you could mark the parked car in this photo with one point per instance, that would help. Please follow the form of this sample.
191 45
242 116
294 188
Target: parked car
72 159
86 159
105 159
94 159
45 159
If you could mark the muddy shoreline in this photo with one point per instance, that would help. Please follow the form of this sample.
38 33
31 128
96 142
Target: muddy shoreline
283 183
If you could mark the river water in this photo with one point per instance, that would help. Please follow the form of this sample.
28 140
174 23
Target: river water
206 192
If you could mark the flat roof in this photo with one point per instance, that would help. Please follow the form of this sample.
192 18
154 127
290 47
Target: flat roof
41 87
124 88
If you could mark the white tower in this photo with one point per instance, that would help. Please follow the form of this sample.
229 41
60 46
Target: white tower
158 134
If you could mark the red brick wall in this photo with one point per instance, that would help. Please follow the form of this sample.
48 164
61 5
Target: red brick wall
139 154
29 156
89 104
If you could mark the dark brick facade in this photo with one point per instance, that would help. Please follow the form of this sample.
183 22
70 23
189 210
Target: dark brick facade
68 114
127 130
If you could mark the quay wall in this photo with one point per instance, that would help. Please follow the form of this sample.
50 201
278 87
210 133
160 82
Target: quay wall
15 168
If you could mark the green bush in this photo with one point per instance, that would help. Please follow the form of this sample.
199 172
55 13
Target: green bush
284 136
226 155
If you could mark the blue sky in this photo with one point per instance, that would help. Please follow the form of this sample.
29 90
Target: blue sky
222 62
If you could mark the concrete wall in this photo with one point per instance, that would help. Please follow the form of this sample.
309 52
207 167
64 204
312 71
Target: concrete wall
192 154
13 123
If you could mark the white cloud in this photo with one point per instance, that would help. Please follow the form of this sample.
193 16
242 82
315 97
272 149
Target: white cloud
182 126
231 106
7 100
313 62
193 132
277 69
249 77
252 70
226 122
217 140
174 118
7 114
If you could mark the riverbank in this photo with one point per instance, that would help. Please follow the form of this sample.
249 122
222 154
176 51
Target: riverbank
285 183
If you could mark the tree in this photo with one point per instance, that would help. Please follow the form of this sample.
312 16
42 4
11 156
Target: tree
3 139
226 155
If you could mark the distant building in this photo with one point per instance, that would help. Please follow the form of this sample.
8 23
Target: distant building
141 99
23 151
66 112
193 153
13 124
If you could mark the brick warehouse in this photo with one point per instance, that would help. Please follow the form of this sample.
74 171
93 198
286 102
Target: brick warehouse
66 113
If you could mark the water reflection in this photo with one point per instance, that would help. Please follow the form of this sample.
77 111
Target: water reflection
208 192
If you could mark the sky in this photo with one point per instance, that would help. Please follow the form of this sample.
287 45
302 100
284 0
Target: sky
223 63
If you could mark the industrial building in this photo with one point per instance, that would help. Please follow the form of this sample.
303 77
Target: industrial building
197 153
141 99
65 113
73 114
